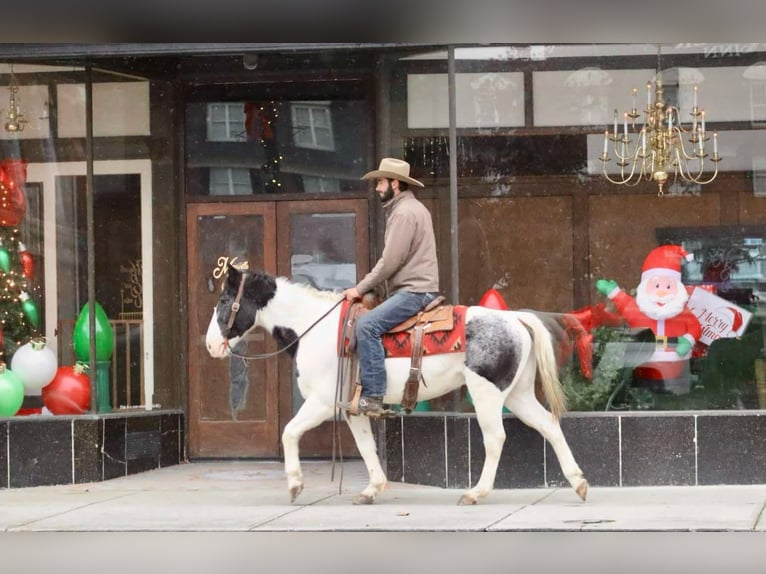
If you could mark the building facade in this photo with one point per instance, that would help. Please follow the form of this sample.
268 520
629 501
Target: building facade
148 169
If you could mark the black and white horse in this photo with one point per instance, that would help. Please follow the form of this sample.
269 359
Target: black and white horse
504 352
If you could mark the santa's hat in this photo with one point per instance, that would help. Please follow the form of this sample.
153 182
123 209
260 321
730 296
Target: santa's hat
665 260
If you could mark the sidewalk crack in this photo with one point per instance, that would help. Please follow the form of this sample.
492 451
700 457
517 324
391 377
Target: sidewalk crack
291 511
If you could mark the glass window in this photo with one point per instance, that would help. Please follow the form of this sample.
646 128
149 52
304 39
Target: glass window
312 125
290 140
540 223
230 181
51 253
314 184
225 122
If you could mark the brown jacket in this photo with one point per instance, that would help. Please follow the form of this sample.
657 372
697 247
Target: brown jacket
408 261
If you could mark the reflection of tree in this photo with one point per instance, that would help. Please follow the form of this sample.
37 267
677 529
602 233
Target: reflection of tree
720 262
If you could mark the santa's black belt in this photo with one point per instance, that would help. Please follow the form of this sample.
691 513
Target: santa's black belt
663 341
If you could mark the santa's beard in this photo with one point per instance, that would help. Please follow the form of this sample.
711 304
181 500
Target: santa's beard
670 307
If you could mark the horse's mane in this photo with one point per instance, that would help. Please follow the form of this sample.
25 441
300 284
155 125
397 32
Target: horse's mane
332 296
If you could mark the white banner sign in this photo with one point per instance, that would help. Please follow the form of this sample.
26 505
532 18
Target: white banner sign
719 318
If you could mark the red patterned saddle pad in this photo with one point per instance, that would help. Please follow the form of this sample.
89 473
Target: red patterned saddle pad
400 344
434 343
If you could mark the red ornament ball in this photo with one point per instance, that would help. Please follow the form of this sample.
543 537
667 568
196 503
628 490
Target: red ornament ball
69 392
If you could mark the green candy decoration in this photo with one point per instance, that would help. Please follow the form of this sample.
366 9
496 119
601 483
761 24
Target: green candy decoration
11 392
5 259
104 335
30 309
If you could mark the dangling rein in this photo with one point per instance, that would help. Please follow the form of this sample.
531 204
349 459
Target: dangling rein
283 349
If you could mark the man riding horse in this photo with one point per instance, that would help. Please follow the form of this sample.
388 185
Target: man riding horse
409 268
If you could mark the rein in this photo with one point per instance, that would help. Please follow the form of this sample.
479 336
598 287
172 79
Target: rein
283 349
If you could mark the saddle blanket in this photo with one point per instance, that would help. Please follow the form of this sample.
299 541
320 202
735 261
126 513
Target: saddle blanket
434 342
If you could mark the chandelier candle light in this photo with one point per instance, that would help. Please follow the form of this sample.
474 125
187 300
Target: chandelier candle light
663 144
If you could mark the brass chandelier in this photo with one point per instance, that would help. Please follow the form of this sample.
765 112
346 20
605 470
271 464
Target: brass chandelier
662 145
15 119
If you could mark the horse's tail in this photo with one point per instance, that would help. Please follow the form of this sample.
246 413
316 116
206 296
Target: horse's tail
547 364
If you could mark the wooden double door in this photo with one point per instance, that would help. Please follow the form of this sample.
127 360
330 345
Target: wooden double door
239 408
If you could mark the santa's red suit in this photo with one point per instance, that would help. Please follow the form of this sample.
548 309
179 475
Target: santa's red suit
664 363
661 288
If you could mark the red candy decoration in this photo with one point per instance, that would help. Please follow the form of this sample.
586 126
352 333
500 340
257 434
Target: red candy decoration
13 203
69 391
28 263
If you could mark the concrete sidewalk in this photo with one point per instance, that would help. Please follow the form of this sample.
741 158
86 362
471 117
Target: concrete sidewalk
241 496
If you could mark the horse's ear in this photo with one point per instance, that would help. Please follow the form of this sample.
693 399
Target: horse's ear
233 277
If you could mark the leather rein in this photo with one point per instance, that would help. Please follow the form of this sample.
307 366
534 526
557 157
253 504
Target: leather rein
235 309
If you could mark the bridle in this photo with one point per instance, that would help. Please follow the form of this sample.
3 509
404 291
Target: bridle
235 309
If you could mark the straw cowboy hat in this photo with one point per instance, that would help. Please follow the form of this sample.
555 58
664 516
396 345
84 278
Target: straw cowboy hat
391 168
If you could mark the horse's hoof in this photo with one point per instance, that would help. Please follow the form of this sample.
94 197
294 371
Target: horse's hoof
364 499
295 491
467 500
582 489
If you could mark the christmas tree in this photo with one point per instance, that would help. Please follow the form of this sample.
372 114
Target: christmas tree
20 319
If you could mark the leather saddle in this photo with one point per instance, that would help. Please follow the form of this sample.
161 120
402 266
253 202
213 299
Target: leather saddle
435 317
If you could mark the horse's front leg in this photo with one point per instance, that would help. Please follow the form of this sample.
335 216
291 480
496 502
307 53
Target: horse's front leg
365 443
310 415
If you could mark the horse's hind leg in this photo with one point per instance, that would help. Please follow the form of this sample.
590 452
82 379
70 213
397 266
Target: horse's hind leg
532 413
310 415
488 405
365 443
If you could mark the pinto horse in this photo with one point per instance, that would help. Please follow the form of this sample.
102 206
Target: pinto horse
505 351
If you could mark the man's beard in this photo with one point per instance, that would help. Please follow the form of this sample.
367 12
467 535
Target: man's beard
387 195
671 308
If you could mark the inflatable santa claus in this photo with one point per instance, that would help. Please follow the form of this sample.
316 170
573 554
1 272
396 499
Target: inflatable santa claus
660 305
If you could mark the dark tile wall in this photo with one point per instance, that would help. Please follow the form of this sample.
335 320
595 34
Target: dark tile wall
3 454
595 444
39 451
458 452
521 461
39 454
658 450
612 449
391 456
732 449
88 435
424 454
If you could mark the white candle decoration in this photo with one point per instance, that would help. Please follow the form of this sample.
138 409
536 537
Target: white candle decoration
625 124
648 95
606 142
615 123
695 97
715 143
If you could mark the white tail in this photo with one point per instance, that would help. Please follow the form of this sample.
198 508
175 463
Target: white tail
547 366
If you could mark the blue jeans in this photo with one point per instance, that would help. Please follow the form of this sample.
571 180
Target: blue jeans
370 328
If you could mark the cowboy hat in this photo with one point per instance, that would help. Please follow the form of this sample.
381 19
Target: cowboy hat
391 168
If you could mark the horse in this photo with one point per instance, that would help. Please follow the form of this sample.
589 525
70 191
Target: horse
505 352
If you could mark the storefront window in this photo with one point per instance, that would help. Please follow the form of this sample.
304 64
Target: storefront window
540 224
68 225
